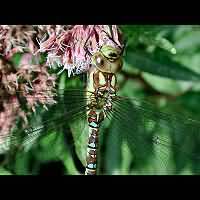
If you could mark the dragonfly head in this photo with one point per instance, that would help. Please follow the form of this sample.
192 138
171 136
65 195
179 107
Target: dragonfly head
108 59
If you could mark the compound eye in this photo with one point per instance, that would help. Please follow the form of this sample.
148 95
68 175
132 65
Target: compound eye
113 55
99 61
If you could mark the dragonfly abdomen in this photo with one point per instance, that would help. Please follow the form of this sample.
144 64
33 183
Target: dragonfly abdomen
91 160
94 120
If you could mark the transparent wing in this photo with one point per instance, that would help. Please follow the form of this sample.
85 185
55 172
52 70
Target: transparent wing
151 141
140 138
69 112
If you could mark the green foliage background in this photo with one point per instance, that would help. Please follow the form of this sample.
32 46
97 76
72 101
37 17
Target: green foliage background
161 64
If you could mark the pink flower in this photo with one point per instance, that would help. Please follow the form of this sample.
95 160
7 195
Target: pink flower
10 111
16 38
72 48
30 82
39 84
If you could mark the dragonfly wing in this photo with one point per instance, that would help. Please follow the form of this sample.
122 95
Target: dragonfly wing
70 107
157 142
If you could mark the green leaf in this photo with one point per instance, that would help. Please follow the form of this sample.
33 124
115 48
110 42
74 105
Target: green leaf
16 59
113 150
50 146
190 103
22 163
165 85
69 163
126 158
80 133
4 171
148 35
189 42
160 42
145 29
160 65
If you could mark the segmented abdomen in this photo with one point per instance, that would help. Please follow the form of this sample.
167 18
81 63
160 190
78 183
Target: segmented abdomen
94 120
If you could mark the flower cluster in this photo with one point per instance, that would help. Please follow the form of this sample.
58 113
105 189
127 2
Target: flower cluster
72 48
16 38
29 82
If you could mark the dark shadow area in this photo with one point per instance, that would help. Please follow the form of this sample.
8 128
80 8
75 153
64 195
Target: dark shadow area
2 158
69 141
52 168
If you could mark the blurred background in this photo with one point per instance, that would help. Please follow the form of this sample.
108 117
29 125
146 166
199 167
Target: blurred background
161 66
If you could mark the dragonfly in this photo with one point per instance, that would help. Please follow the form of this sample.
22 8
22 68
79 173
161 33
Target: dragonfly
139 127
